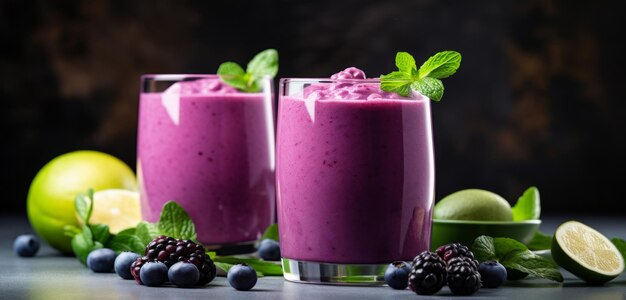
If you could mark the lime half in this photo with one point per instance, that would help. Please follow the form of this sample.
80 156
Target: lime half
586 253
117 208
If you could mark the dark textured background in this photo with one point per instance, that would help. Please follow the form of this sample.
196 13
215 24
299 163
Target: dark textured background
539 99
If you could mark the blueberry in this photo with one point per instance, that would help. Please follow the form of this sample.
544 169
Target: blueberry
397 275
183 274
492 272
153 274
269 250
241 277
123 262
26 245
101 260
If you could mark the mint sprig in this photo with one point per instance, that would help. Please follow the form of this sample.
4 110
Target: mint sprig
173 221
515 255
425 79
263 64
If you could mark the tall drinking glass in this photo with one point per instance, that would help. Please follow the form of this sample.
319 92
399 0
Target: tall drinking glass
210 148
355 178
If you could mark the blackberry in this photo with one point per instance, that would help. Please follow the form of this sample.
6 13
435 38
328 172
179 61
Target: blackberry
452 250
170 251
428 273
463 277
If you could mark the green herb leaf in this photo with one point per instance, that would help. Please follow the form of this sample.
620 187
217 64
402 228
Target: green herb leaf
515 255
83 243
271 232
146 232
405 62
233 74
441 65
100 233
429 87
483 248
265 267
127 240
426 79
540 241
83 205
175 222
71 230
533 264
621 245
396 82
528 206
265 63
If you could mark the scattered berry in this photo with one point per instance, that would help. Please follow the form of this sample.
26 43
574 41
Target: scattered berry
26 245
170 251
241 277
123 262
492 273
153 273
463 277
183 274
269 250
452 250
397 275
428 273
101 260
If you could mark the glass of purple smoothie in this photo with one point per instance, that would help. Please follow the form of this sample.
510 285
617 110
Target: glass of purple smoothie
355 178
210 148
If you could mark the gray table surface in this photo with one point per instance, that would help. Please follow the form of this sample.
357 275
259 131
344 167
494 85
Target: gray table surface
51 276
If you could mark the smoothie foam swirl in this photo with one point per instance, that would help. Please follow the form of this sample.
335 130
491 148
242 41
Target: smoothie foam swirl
351 89
201 87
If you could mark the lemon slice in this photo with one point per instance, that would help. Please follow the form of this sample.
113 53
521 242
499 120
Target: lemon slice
117 208
586 253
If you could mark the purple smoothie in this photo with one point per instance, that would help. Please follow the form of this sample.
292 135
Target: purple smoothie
208 147
355 173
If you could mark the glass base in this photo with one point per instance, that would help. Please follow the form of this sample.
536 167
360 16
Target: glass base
337 274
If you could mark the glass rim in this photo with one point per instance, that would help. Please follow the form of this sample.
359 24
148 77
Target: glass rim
327 80
181 76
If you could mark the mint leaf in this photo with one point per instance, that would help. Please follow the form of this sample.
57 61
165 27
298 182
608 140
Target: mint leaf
146 232
233 74
127 240
426 79
264 267
429 87
483 248
540 241
528 206
271 232
100 233
621 245
396 82
504 246
533 264
83 205
83 243
514 255
441 65
175 222
264 64
405 62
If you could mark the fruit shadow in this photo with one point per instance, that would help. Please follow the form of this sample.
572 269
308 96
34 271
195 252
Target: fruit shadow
531 284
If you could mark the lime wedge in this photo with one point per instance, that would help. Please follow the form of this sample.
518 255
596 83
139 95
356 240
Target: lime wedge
117 208
586 253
